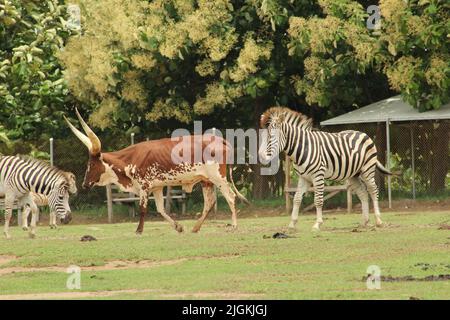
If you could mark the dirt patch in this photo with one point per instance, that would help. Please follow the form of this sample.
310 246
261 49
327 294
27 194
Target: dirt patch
111 293
5 259
70 295
216 295
441 277
109 265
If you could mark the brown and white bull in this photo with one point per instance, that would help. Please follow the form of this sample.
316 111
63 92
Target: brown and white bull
147 167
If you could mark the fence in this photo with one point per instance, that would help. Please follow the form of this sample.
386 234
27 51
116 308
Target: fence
424 170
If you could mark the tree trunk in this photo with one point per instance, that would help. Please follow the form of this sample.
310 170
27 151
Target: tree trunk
439 159
260 183
380 143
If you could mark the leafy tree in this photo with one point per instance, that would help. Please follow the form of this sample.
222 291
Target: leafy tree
415 39
32 89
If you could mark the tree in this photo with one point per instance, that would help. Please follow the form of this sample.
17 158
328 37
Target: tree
32 89
414 39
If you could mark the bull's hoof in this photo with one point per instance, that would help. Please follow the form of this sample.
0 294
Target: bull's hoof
379 224
195 230
32 235
7 235
316 228
139 232
25 228
179 227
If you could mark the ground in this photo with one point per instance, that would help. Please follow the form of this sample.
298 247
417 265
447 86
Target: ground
247 263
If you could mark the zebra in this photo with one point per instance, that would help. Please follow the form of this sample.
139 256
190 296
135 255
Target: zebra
41 200
20 176
317 155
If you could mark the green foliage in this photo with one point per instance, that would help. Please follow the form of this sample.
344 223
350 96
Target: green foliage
32 90
415 40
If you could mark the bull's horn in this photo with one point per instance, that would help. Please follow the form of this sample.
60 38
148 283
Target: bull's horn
80 135
96 144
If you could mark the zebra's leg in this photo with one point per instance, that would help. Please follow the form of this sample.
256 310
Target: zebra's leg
159 200
25 214
9 203
319 187
356 185
369 180
52 218
34 213
209 201
302 187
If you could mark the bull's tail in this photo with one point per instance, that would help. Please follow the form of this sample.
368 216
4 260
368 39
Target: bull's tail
383 169
239 195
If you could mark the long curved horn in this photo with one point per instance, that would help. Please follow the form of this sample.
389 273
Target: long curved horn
96 144
80 135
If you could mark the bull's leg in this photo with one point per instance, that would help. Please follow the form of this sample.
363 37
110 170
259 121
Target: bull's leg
319 186
159 200
359 188
229 195
25 214
209 201
302 187
9 203
143 210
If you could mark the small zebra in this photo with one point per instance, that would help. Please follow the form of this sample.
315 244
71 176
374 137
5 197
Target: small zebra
317 155
41 200
20 176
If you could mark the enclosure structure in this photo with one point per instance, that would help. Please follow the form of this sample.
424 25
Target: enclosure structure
418 137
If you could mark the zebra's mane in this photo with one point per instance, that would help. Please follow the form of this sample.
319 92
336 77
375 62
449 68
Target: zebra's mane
283 114
43 164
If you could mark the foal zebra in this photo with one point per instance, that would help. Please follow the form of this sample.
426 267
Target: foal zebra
41 200
20 176
317 155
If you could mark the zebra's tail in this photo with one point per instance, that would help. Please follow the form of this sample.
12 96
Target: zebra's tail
383 169
239 195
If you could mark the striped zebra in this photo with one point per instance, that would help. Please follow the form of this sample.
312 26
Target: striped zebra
20 176
317 155
41 201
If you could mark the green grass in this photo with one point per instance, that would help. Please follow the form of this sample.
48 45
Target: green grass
219 263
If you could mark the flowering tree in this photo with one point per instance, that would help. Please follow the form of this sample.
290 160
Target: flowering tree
32 89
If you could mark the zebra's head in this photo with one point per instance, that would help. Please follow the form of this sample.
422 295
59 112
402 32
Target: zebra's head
273 141
58 199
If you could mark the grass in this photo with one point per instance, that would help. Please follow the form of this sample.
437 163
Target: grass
217 263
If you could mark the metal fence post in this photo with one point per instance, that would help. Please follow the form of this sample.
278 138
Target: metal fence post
215 188
388 161
51 153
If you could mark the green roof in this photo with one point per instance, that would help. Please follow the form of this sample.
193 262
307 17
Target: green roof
392 109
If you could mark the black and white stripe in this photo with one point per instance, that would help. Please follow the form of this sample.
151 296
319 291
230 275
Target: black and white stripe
20 176
318 155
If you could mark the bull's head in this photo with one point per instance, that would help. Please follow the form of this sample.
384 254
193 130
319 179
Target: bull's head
97 170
